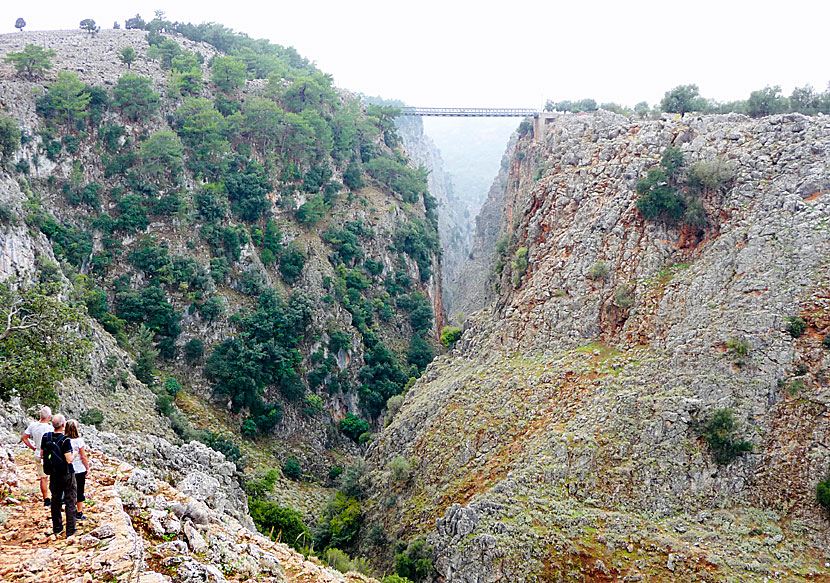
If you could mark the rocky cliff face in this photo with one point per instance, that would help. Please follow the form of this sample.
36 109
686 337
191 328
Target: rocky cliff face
562 438
491 226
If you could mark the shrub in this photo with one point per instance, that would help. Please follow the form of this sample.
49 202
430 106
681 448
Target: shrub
9 136
414 561
394 404
795 387
623 297
279 523
352 426
400 468
313 404
738 346
291 469
92 417
723 438
340 523
711 174
395 579
599 270
172 386
519 265
797 326
823 493
450 335
420 353
825 342
671 161
334 473
292 261
657 198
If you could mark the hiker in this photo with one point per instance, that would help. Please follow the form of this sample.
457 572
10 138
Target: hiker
80 464
56 450
31 437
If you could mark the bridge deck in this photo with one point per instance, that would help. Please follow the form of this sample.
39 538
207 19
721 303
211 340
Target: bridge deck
469 111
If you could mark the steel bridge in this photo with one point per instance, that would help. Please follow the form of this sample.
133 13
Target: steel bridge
469 111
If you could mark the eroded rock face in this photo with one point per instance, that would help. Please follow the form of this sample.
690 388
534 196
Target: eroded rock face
567 421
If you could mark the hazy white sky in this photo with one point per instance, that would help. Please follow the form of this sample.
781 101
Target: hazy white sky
454 53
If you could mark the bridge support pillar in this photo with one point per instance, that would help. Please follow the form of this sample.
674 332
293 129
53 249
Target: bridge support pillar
540 124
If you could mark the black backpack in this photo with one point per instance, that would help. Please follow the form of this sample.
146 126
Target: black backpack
54 460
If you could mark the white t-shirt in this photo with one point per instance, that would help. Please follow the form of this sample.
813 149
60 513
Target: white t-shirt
78 463
36 431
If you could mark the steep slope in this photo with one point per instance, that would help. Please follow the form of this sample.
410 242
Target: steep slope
253 217
564 437
492 222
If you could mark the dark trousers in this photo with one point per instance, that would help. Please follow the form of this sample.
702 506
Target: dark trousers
80 480
63 486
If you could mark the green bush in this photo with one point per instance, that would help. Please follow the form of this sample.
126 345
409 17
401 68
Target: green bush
723 437
334 473
657 198
623 297
420 353
599 270
93 417
795 387
519 265
450 335
9 136
796 327
400 469
713 174
291 469
194 350
279 523
414 561
340 523
823 493
352 426
738 346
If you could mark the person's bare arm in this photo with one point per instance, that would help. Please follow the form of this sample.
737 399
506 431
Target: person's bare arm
27 439
84 458
70 457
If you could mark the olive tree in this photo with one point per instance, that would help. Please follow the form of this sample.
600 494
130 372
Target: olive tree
88 25
42 340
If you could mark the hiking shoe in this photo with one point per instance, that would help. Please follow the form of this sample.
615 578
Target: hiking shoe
81 516
53 532
70 535
47 502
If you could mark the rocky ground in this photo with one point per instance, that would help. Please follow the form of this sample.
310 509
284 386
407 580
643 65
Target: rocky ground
139 530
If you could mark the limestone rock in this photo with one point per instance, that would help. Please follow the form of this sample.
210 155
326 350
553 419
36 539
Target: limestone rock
143 481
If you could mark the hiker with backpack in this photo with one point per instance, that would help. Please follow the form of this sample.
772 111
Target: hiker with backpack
31 437
56 449
80 465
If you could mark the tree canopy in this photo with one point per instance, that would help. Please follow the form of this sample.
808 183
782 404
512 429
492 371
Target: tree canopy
41 340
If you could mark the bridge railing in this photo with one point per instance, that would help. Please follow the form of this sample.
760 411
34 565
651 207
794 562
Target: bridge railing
469 111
